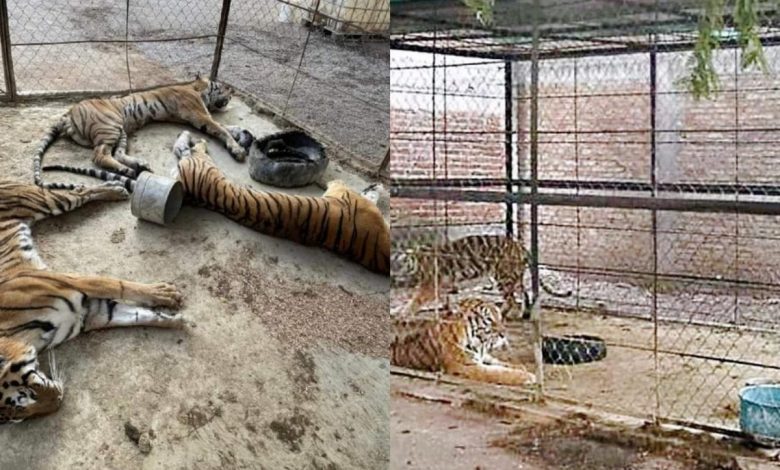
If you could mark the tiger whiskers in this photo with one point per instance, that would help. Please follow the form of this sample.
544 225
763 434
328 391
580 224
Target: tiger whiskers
55 374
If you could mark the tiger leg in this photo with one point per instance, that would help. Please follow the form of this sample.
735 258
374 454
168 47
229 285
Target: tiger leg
120 154
161 294
68 199
205 123
103 158
104 313
497 374
510 303
526 305
423 295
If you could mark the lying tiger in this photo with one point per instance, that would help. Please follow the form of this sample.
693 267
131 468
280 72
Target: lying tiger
40 309
341 220
103 124
435 269
458 342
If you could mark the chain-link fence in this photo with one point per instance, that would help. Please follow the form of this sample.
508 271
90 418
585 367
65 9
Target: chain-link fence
320 64
650 215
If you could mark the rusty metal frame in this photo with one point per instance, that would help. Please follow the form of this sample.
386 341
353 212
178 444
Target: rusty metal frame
5 47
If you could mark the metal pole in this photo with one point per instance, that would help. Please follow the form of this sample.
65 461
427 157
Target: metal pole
534 128
508 125
536 316
223 20
5 46
654 215
384 166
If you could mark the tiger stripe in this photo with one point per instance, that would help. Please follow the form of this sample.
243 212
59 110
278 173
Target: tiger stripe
458 342
40 309
103 124
503 259
340 220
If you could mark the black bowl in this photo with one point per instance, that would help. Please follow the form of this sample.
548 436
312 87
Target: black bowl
287 159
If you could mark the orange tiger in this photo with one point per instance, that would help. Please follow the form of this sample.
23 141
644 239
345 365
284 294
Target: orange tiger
40 309
458 342
341 220
103 124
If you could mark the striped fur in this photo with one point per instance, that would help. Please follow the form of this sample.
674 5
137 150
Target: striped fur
40 309
457 343
341 220
435 269
103 124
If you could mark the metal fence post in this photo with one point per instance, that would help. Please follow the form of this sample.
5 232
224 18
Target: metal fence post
508 126
536 316
385 166
223 20
5 46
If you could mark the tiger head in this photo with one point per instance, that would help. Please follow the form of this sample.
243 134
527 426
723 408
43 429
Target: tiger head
487 331
215 95
25 392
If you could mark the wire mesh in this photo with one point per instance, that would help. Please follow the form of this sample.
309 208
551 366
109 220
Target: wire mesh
323 64
657 211
107 46
320 64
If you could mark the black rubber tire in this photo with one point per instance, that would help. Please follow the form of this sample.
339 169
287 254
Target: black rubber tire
301 165
572 349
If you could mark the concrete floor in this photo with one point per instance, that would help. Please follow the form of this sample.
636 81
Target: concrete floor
286 367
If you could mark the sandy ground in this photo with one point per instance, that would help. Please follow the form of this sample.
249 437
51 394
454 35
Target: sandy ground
439 436
286 367
451 427
341 88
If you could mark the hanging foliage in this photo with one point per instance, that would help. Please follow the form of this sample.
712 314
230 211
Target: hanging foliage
702 81
483 10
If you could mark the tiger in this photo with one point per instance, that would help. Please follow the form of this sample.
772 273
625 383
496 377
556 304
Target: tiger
104 123
458 342
500 258
341 220
40 309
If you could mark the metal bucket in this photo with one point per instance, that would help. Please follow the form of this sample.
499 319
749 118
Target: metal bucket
156 198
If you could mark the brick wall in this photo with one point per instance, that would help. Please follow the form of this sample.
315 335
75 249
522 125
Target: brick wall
600 131
463 156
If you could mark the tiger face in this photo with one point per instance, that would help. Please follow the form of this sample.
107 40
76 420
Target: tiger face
486 329
215 95
25 392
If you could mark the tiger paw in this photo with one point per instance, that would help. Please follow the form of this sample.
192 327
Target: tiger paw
128 172
113 191
142 165
165 295
237 152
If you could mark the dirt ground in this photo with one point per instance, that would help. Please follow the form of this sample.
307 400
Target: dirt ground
687 386
443 427
285 368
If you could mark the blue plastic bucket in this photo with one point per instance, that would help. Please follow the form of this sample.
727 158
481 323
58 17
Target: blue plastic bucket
759 410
